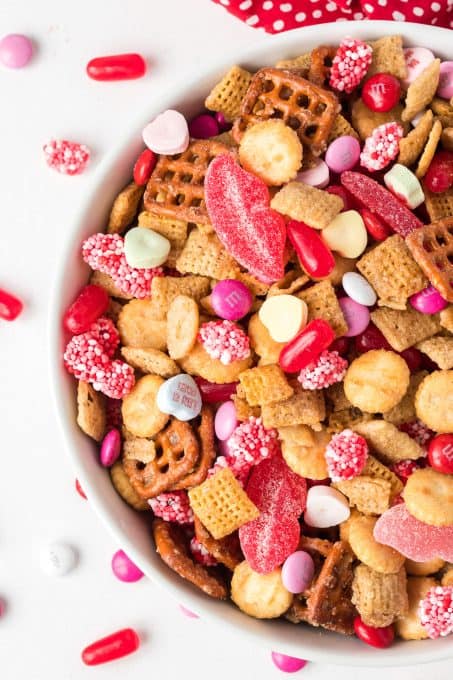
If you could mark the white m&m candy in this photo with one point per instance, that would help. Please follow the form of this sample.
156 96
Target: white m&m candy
404 184
357 287
57 558
326 507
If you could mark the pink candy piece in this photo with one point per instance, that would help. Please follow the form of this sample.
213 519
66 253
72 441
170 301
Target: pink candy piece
16 50
280 495
445 89
222 122
225 420
297 571
238 206
436 611
250 444
124 569
167 134
413 539
350 64
417 59
200 554
68 158
110 448
173 506
382 146
188 613
357 316
328 369
428 301
231 299
317 176
288 664
203 126
225 341
343 153
417 430
346 455
10 306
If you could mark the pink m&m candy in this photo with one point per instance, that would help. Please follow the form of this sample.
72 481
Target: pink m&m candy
124 569
288 664
231 299
343 153
203 126
317 176
2 606
297 571
417 59
445 88
357 316
15 50
428 301
225 420
110 448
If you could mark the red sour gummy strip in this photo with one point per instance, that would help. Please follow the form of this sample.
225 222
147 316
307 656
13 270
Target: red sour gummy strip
381 202
238 206
280 495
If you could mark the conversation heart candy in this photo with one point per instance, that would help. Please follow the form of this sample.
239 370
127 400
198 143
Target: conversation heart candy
180 397
414 539
417 59
280 495
326 507
404 184
445 88
346 234
238 206
284 316
167 134
145 248
380 201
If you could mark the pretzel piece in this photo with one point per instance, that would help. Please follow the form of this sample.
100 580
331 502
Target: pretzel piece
205 433
171 545
320 64
226 550
175 188
302 105
432 248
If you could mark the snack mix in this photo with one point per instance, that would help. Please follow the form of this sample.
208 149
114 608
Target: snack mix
264 352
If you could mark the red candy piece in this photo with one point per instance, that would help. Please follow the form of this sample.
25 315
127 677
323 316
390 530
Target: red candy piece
211 393
413 358
90 304
338 190
117 67
439 176
418 431
440 453
10 306
144 165
328 369
381 92
306 346
350 64
314 256
112 647
371 338
377 229
238 205
173 506
280 495
375 637
403 469
381 202
413 539
79 489
68 158
340 345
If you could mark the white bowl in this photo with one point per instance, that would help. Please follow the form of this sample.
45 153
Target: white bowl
130 530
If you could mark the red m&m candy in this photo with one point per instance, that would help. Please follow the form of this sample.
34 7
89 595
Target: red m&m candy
144 165
381 92
440 453
376 637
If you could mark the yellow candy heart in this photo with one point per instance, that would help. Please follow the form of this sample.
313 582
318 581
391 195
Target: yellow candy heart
284 316
346 234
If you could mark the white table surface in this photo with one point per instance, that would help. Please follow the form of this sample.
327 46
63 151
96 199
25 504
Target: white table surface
49 621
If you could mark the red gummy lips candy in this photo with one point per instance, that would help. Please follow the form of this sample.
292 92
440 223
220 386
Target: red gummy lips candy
381 202
413 539
238 205
280 495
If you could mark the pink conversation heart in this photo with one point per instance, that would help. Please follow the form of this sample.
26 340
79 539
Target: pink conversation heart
413 539
167 134
238 205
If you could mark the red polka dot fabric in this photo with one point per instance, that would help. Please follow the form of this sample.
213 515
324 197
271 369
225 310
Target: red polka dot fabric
275 16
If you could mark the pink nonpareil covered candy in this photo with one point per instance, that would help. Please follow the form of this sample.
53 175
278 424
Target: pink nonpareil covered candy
68 158
238 206
110 448
414 539
280 495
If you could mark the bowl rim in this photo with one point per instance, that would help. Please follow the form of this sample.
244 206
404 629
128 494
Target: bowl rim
179 89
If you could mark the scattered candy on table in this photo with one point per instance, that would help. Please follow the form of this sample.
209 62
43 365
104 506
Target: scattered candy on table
231 299
110 448
57 558
114 646
16 50
326 507
167 134
187 612
10 306
283 316
117 67
145 248
67 158
2 607
79 489
124 569
180 397
288 664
